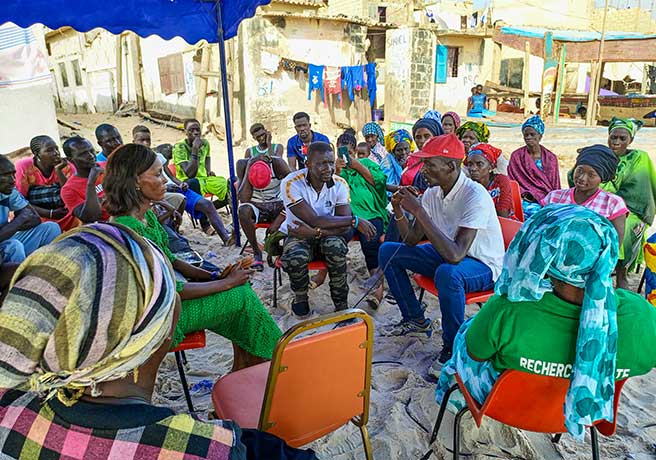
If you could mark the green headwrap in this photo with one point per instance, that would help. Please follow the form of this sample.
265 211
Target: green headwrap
630 124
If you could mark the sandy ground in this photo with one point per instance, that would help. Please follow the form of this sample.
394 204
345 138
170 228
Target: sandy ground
403 408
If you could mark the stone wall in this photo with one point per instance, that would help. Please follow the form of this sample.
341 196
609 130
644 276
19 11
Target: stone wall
625 20
273 96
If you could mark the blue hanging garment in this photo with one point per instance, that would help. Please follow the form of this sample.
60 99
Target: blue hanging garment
371 82
353 79
315 79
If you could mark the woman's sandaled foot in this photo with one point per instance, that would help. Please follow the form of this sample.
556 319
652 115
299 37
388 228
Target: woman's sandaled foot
317 280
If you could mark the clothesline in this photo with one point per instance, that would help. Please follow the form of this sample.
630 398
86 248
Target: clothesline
327 79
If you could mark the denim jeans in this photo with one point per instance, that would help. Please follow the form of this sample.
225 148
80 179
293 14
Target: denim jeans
25 242
370 248
451 280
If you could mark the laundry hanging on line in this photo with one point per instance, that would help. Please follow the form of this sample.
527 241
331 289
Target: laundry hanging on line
315 79
332 83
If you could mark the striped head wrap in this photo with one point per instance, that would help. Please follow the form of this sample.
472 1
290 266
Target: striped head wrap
579 247
373 128
434 115
630 124
91 307
536 123
480 129
455 116
396 137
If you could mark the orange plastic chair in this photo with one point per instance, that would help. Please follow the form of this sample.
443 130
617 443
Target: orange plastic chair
172 169
312 386
509 229
191 341
517 200
315 265
525 401
264 225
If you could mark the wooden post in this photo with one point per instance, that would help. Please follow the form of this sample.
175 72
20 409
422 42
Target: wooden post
592 105
526 78
135 58
119 71
592 100
561 83
201 90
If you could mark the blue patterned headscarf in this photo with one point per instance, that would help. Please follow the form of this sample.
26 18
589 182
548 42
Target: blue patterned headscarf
374 128
536 123
579 247
434 115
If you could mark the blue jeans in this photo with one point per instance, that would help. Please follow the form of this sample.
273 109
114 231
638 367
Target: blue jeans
370 248
25 242
451 280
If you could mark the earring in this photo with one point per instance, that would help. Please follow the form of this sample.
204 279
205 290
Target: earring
138 188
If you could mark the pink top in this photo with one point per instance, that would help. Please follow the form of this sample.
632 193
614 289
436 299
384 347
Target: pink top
603 203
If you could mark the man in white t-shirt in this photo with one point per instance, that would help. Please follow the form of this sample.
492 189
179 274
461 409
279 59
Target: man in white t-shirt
318 198
465 253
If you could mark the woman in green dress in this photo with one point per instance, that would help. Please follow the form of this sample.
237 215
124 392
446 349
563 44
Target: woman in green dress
229 306
635 182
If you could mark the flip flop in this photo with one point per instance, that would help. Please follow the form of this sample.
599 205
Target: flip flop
372 302
258 266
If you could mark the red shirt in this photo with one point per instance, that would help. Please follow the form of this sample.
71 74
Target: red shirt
501 193
74 193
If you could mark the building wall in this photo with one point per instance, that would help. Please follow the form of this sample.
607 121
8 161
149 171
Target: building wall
474 67
626 20
28 110
272 97
350 8
555 14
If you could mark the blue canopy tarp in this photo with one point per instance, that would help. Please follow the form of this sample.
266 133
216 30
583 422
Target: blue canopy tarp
193 20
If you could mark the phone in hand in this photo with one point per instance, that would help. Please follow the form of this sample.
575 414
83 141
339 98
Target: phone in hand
343 152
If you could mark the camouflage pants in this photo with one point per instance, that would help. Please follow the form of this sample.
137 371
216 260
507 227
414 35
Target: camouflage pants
298 253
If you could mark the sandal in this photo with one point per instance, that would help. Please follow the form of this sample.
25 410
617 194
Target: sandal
372 302
258 266
209 231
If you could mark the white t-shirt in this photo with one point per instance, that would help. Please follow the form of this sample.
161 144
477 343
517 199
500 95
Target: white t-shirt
468 205
295 188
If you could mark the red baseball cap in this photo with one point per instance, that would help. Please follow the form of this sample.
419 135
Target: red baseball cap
446 145
259 174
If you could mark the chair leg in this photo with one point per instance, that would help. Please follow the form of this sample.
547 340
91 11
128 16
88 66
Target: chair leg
184 357
421 296
594 440
183 381
642 282
275 288
366 443
456 432
440 414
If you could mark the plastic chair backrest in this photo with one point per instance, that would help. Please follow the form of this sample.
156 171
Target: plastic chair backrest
171 167
531 402
318 383
517 200
509 229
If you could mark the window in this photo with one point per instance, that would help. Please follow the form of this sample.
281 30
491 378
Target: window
382 14
512 72
452 60
64 75
171 74
77 72
446 62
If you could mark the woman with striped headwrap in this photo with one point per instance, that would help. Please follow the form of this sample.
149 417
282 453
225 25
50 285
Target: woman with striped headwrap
374 136
556 314
83 332
229 306
40 178
635 182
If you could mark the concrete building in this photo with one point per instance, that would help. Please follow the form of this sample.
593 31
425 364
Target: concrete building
27 107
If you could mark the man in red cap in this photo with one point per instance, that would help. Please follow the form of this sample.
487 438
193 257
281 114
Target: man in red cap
259 197
465 249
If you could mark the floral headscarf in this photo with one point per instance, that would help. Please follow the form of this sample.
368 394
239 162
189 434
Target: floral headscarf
536 123
630 124
373 128
579 247
489 152
479 128
396 137
455 116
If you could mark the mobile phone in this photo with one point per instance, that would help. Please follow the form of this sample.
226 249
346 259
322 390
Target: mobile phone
343 151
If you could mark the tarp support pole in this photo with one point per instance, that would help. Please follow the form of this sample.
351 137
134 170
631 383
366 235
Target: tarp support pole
228 124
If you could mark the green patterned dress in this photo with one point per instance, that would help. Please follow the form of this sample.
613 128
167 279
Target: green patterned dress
236 314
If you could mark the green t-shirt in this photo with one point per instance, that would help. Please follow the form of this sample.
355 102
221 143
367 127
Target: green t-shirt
540 337
367 201
182 153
